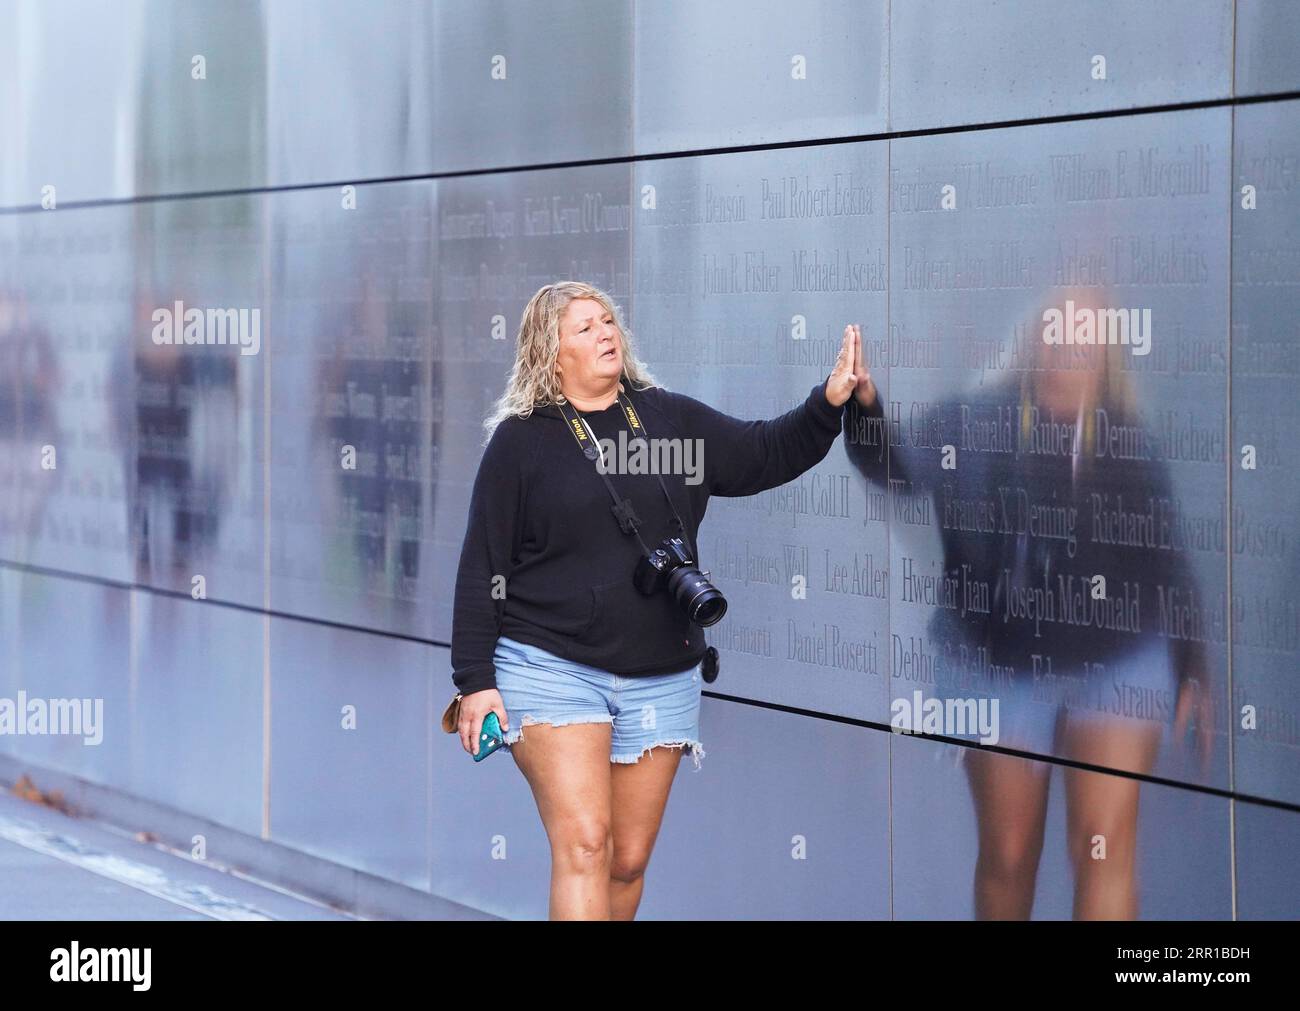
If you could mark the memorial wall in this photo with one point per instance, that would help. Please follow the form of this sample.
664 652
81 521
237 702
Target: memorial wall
230 541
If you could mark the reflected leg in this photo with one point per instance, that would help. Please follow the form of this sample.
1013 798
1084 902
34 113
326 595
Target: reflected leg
1010 797
1102 807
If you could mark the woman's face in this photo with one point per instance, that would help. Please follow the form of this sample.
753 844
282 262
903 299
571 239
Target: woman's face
1084 359
591 348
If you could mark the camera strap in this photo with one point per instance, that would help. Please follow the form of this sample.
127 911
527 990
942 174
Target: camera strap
622 507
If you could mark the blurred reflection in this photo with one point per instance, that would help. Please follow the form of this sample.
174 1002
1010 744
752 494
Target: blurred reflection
1056 481
29 375
372 390
181 425
181 405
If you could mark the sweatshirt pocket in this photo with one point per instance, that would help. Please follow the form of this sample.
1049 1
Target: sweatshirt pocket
622 614
568 614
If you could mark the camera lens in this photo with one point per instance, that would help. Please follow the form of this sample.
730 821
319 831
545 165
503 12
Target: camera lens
700 599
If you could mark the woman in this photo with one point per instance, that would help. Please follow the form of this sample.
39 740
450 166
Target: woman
1096 692
549 630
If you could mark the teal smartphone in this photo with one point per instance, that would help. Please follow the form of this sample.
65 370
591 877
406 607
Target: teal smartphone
490 738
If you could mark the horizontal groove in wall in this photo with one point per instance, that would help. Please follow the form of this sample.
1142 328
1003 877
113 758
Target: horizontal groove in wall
814 714
1074 117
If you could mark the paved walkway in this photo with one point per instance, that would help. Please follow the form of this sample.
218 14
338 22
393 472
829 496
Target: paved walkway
54 867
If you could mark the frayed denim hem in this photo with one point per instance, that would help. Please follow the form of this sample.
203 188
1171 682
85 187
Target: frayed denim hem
697 752
528 720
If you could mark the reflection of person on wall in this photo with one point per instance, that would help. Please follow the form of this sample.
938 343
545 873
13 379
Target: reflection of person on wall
370 374
184 437
1111 683
29 376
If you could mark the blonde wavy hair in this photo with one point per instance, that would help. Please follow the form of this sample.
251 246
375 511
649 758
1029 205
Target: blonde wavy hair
1115 389
534 381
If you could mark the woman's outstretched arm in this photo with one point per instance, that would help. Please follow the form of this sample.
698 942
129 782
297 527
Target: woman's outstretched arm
746 457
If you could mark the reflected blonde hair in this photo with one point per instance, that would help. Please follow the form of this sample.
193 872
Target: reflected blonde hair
1115 388
534 381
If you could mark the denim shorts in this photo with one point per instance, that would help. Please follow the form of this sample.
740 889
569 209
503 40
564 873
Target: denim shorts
1133 690
645 712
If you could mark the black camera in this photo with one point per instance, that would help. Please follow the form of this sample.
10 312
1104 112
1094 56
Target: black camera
671 566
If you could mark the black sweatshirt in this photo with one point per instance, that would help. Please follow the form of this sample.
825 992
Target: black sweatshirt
540 519
981 508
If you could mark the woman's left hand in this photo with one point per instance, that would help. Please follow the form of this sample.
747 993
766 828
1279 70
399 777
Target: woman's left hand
843 380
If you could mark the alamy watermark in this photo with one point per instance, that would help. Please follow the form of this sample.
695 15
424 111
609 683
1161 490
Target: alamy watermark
75 964
641 455
178 325
1130 327
945 717
53 716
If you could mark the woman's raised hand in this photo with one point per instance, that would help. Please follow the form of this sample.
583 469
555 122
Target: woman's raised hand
842 381
865 393
850 378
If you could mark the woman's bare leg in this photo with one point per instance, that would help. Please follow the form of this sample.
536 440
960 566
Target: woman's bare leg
639 796
568 770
